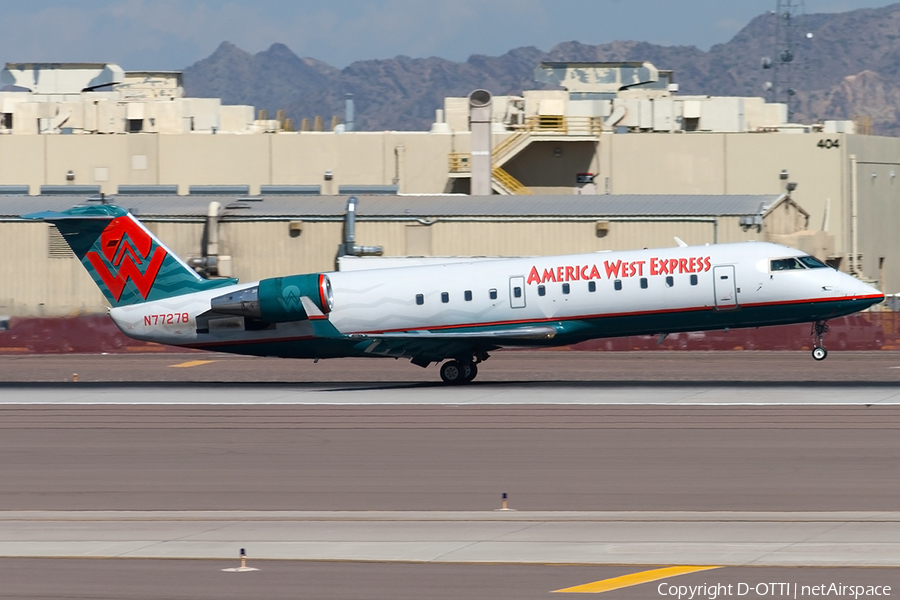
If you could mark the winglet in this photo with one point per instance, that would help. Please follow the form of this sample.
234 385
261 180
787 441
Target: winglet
680 242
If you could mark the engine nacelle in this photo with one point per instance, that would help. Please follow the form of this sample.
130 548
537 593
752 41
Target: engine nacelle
277 300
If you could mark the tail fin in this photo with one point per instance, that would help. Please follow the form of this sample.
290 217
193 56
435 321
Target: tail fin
127 262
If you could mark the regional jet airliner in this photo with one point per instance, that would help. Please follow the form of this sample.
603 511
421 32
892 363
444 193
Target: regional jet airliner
454 314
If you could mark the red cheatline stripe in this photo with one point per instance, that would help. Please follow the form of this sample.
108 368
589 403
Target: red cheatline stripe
612 315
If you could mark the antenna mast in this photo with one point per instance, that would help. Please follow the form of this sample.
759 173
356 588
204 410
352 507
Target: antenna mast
786 66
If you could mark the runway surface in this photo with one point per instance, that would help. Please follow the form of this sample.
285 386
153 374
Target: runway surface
285 580
750 444
509 367
637 538
548 458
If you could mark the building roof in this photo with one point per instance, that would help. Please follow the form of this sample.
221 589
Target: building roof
388 207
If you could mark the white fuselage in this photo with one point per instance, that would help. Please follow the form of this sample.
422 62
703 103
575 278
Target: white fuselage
726 281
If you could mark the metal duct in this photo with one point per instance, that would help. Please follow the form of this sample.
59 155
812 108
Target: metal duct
348 112
349 247
480 126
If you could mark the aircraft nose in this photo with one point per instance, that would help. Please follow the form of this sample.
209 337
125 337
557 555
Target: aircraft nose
859 289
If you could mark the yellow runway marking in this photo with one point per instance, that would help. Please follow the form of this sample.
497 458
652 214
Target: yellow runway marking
624 581
193 363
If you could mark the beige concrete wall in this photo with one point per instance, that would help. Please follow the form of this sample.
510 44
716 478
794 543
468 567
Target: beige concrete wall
93 159
31 283
879 207
363 158
199 159
697 163
537 238
22 160
551 167
214 160
667 163
754 162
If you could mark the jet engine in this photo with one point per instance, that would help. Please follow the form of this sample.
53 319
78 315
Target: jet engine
277 300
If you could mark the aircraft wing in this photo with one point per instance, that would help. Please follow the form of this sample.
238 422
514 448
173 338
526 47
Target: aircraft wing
435 345
513 333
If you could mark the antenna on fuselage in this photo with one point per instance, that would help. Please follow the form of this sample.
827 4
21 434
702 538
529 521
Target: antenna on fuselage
680 242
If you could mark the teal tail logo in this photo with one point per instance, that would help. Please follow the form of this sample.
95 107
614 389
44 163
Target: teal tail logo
126 261
127 253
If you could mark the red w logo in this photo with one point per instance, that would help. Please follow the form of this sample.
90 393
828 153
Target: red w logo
126 247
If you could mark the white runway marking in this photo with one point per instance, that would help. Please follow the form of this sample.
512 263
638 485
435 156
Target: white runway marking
324 394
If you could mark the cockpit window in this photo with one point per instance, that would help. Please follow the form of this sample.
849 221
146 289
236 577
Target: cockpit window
786 264
812 263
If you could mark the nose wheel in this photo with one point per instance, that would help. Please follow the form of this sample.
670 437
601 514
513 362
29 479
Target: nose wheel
819 329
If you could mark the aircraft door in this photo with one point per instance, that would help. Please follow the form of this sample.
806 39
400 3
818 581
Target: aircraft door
725 287
517 292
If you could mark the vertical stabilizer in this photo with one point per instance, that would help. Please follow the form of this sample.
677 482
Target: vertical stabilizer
126 261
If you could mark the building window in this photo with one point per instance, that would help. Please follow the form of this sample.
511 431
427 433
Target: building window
670 281
445 297
468 295
618 285
420 299
493 293
592 286
542 290
135 125
693 280
566 288
643 283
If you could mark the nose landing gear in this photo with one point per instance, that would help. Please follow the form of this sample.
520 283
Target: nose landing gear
819 329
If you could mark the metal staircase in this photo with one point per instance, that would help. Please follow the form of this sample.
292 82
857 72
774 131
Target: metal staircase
536 128
505 184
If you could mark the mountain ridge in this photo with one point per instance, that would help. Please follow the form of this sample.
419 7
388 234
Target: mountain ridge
849 67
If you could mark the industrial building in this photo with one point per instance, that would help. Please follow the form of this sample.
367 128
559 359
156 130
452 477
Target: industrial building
616 144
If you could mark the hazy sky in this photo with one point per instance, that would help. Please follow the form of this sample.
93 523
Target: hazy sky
172 34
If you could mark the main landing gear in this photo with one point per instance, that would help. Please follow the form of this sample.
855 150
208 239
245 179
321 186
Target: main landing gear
461 371
819 329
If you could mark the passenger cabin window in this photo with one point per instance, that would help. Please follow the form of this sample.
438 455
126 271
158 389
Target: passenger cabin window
812 263
468 295
694 280
618 285
517 292
493 294
592 286
542 290
420 299
643 283
786 264
566 288
445 297
670 281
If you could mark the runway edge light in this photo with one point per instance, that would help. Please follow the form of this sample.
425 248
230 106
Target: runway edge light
243 568
504 504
